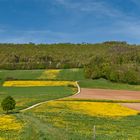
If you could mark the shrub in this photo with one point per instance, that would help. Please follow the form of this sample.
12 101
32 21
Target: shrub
131 77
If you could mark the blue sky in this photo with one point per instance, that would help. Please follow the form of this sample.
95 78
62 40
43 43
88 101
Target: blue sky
75 21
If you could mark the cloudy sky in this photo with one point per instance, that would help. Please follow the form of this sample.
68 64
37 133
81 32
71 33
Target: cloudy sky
75 21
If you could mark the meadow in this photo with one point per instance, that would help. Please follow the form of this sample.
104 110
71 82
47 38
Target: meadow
75 120
65 119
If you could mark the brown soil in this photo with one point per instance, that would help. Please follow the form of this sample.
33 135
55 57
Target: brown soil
135 106
111 95
107 94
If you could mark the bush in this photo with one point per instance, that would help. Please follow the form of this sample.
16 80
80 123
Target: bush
113 70
88 72
131 77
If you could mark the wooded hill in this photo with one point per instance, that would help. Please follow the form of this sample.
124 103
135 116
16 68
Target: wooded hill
40 56
115 61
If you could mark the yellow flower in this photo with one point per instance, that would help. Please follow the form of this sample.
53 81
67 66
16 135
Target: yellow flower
101 109
89 108
49 74
8 122
38 83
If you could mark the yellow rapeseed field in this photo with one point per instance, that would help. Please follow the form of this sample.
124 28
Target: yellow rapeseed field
89 108
8 122
101 109
37 83
49 74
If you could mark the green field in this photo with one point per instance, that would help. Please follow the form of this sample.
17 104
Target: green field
66 74
27 96
105 84
51 121
20 74
71 74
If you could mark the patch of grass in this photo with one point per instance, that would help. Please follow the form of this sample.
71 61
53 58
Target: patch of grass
20 74
105 84
49 74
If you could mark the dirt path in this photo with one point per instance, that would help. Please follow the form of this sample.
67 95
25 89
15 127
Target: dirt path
41 128
35 105
107 94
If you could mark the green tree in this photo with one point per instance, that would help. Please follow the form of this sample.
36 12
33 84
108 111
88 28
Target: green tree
8 104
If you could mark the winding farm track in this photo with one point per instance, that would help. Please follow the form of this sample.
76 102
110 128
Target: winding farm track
35 105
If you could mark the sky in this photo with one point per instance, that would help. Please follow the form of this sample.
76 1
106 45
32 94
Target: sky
69 21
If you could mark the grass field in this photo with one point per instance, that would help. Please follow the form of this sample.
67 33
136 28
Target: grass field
63 74
27 96
65 119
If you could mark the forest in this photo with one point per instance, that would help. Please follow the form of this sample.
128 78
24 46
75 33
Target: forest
112 60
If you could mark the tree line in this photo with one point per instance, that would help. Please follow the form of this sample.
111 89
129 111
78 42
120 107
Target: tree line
120 64
115 61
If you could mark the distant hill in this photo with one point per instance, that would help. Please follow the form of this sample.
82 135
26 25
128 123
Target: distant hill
41 56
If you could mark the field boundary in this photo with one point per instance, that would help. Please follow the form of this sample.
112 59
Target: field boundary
101 100
35 105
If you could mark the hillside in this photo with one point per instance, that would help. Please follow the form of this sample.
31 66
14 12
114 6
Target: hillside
40 56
